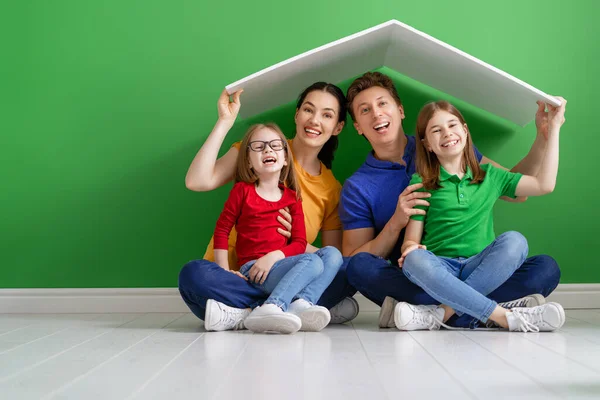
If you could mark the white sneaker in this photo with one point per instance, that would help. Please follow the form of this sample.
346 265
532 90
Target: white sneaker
409 317
314 318
545 318
344 311
386 314
528 301
220 317
270 318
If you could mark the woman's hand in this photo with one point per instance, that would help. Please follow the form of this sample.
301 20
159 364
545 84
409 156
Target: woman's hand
285 219
228 110
238 274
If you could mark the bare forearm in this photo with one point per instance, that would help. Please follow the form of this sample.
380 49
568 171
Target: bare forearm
202 169
407 244
222 258
383 244
532 162
549 169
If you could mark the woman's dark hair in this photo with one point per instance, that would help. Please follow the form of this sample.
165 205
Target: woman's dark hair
327 152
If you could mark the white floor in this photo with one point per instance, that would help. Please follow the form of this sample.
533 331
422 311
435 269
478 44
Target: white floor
169 356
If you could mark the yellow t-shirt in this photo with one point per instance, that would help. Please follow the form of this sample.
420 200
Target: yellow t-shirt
320 199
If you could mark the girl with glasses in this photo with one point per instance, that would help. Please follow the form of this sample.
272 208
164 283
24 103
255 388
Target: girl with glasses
265 183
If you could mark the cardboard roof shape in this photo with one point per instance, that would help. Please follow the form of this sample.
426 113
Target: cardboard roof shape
403 49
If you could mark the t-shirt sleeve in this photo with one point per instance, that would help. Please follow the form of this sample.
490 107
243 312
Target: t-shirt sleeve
331 220
355 212
505 181
229 216
416 178
297 243
477 153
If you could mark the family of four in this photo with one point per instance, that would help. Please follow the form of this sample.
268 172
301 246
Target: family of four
412 229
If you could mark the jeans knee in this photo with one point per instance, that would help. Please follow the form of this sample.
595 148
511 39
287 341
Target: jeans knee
331 257
193 272
516 245
313 263
415 263
547 271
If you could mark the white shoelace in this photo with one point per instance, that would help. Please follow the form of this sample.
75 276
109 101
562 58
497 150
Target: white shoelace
529 319
430 320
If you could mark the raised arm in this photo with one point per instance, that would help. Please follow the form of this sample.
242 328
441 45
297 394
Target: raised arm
206 172
545 179
532 162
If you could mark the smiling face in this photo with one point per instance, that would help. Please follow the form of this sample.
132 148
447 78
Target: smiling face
377 115
266 158
445 135
317 119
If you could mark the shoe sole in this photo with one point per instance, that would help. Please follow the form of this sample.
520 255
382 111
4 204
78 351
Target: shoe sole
285 324
561 316
536 300
342 320
314 320
208 316
386 314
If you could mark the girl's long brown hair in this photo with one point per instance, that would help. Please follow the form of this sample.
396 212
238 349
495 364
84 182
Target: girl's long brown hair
243 171
428 165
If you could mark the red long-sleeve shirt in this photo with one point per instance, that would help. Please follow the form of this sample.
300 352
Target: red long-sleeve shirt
255 221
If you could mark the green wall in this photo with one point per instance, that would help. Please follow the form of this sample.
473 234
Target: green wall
106 103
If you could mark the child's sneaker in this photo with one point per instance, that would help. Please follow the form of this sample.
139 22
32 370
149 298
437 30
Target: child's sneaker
528 301
220 317
386 314
545 318
409 317
270 318
344 311
314 318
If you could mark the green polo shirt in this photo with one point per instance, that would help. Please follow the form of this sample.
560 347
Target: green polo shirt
459 220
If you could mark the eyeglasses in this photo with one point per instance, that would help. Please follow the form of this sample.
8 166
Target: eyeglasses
259 145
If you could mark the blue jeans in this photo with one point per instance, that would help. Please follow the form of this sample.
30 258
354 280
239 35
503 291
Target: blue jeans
299 277
464 283
376 278
200 280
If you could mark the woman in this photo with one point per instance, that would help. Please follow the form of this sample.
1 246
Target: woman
223 299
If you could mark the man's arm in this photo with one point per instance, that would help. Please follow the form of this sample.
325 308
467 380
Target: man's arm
364 239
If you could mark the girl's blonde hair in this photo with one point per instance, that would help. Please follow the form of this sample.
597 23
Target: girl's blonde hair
245 173
428 165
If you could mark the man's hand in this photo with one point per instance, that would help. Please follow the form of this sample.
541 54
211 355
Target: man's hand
406 202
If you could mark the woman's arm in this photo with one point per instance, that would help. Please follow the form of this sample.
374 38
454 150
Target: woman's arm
206 172
331 238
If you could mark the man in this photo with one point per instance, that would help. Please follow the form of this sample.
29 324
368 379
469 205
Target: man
376 204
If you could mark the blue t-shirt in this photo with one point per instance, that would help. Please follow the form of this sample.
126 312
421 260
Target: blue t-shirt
369 197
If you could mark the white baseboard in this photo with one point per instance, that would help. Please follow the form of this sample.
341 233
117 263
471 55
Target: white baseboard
142 300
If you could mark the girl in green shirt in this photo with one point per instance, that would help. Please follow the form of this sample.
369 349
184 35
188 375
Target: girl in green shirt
451 252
